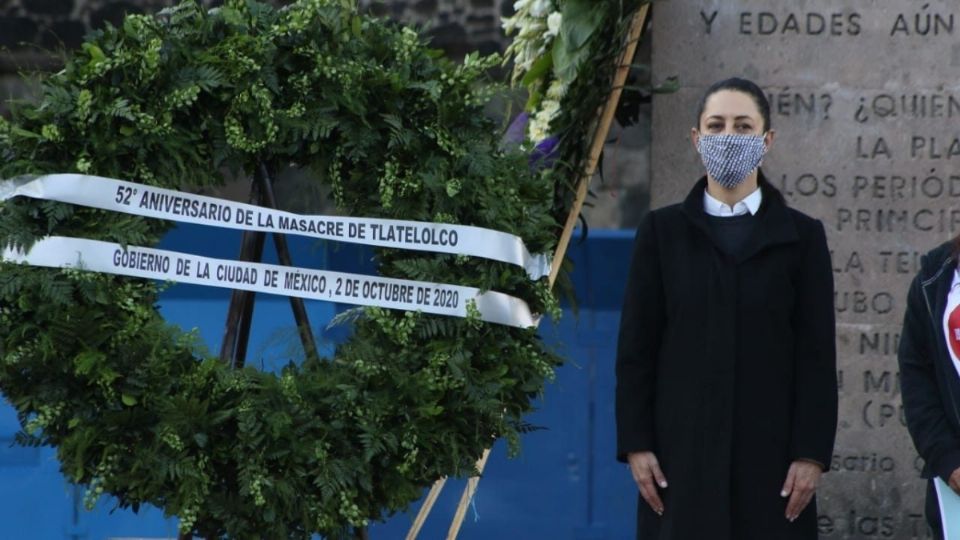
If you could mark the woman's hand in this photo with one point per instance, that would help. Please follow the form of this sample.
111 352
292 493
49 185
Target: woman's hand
647 474
955 481
802 481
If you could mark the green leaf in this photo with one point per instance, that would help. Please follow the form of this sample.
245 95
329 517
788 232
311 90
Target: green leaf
232 17
669 86
581 19
356 26
201 439
128 400
564 61
533 101
85 361
25 134
539 68
95 52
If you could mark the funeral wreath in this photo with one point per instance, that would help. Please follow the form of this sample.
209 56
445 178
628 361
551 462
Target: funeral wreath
135 407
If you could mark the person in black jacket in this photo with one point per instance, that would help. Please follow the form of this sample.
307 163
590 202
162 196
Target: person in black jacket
726 397
929 380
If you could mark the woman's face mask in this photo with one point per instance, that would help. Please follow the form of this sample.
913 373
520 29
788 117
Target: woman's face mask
731 158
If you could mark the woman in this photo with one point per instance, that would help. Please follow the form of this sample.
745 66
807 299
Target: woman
726 395
929 358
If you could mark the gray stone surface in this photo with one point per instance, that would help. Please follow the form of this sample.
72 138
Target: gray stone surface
866 107
622 196
459 25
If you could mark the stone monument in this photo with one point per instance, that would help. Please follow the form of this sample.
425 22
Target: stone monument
865 100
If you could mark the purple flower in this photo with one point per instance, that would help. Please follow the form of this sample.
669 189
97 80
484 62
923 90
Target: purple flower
516 133
544 154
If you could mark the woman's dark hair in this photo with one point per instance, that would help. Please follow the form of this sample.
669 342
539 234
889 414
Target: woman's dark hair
738 85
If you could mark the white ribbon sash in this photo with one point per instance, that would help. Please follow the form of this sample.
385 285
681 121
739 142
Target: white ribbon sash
354 289
161 203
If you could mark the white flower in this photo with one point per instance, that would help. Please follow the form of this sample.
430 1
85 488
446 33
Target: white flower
534 25
536 131
556 90
539 127
532 30
548 109
553 23
539 8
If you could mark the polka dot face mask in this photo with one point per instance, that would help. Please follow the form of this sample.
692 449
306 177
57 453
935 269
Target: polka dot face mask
731 158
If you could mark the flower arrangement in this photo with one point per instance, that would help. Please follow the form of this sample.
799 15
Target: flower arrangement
536 24
564 54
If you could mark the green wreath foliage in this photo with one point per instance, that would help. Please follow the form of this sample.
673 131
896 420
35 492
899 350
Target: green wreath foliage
135 407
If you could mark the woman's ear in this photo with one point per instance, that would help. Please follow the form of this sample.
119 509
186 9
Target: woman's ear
695 139
768 138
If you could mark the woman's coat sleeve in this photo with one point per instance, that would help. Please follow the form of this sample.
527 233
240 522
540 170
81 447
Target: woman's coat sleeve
815 405
936 441
641 325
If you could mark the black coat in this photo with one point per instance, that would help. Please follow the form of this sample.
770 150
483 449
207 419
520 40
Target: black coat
928 381
726 369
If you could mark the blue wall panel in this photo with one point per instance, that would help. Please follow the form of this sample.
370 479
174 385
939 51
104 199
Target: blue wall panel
564 484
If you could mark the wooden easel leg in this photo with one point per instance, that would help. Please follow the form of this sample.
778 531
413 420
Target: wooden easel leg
237 331
240 313
246 308
283 253
426 508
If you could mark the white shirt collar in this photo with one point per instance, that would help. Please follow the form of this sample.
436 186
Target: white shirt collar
750 203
